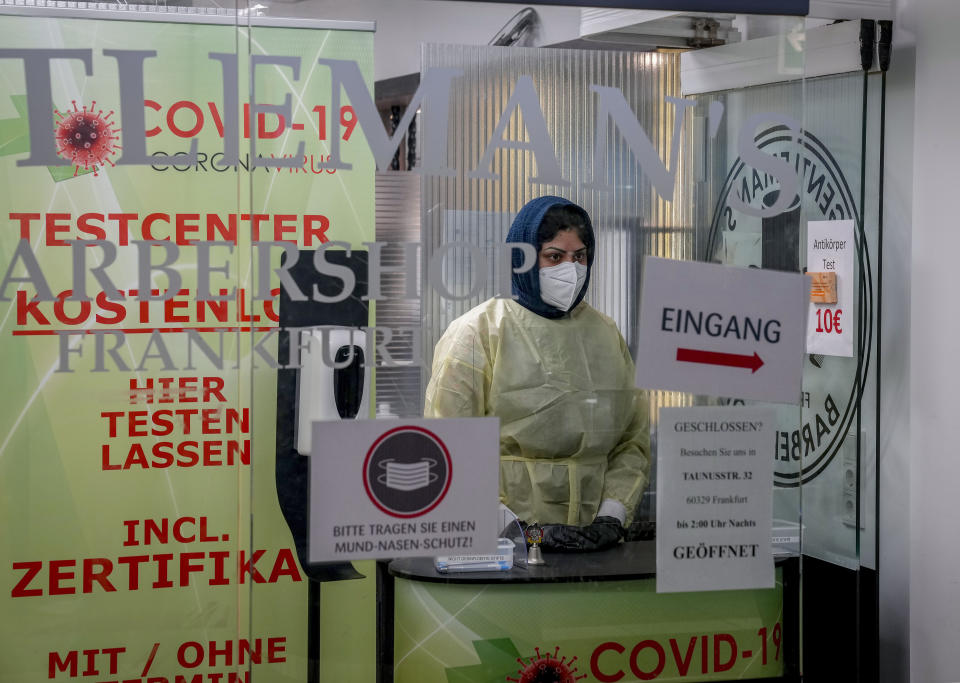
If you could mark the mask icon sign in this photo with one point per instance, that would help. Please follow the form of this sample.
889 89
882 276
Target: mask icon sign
407 472
407 476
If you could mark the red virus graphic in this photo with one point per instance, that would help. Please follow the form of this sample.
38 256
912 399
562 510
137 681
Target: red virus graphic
85 137
546 668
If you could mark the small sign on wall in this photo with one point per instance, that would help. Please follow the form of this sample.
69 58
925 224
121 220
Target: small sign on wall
830 252
384 489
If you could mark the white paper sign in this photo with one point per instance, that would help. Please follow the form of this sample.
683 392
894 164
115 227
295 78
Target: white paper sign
722 331
386 488
830 248
714 498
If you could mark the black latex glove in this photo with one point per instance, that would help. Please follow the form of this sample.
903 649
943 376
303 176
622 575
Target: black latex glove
642 531
603 532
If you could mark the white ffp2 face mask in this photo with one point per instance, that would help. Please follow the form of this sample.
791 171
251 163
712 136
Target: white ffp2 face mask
560 284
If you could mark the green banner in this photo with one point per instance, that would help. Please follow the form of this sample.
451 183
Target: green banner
137 437
605 631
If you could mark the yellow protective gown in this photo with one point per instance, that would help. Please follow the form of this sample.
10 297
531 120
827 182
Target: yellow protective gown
573 429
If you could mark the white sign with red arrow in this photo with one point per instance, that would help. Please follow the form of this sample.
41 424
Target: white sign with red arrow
722 331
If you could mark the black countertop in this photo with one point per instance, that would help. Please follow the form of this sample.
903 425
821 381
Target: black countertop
626 562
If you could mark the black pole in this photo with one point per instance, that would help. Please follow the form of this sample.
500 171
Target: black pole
884 48
385 626
867 41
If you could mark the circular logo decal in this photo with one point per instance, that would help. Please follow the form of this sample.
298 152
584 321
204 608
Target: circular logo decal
808 439
407 471
547 667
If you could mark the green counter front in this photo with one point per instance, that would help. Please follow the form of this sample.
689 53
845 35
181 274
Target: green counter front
590 617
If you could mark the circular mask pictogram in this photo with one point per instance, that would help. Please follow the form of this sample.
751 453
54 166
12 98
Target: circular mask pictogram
808 440
407 471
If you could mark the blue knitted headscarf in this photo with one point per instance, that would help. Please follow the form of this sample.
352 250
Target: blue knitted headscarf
526 286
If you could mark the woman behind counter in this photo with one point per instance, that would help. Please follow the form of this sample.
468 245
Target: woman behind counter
574 432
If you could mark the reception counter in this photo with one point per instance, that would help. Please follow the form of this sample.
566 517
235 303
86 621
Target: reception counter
590 616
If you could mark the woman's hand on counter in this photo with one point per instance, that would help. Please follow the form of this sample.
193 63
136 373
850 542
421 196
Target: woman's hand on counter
603 532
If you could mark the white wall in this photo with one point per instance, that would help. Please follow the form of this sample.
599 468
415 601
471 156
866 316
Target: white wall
934 458
403 24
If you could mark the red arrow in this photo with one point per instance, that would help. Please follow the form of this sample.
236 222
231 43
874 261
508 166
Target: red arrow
733 360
